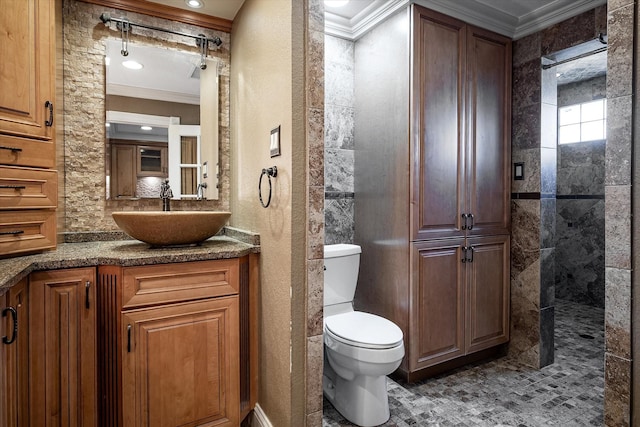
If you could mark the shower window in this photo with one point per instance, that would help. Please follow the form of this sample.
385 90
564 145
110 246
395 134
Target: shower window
582 122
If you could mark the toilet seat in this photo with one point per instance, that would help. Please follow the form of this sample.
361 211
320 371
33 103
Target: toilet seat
364 330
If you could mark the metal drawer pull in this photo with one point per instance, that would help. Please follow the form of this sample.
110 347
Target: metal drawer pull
464 254
14 149
128 338
14 317
464 221
11 233
15 187
86 299
470 250
49 105
471 226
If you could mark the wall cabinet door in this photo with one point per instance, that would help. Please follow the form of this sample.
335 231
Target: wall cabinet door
15 356
489 132
488 292
27 74
437 303
63 347
123 171
180 364
438 120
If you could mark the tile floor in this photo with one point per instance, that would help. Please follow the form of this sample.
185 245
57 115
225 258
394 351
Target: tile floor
504 393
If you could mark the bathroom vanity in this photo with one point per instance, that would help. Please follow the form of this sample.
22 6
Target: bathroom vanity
117 334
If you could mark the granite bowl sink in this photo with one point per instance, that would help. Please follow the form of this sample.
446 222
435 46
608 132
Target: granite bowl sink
171 228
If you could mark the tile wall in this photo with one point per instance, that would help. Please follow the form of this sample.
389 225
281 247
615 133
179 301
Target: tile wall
579 260
339 140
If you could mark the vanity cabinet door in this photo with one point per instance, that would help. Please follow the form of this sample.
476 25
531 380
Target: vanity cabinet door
27 74
180 364
14 354
62 342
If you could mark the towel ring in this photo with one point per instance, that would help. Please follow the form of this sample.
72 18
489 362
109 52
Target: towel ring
270 172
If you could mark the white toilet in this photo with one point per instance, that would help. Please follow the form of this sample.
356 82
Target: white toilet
360 348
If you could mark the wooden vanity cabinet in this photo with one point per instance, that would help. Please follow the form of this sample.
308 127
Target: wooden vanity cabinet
184 352
28 185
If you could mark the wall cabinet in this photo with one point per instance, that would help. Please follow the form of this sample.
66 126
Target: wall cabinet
130 161
433 192
27 126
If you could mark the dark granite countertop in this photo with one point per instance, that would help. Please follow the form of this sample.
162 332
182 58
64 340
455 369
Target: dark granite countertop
119 252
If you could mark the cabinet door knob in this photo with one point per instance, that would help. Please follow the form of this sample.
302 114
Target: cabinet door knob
14 317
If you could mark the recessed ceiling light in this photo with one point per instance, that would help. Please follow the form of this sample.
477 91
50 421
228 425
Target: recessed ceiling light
132 65
196 4
335 3
146 127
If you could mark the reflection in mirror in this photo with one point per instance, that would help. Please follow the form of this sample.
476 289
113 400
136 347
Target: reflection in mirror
161 123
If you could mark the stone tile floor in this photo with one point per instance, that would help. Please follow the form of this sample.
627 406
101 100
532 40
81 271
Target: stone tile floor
504 393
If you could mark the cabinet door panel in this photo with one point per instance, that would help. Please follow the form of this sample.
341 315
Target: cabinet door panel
16 358
489 158
63 347
178 364
438 134
488 300
437 303
27 78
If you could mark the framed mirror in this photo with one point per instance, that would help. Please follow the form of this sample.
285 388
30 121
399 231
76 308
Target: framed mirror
161 123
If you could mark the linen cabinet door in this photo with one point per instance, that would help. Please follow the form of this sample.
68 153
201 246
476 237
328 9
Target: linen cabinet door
488 298
62 343
489 132
437 303
437 155
180 364
14 354
27 74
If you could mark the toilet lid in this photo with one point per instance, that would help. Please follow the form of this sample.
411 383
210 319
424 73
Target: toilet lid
364 330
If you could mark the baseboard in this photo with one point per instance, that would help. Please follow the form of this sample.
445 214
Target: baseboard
260 418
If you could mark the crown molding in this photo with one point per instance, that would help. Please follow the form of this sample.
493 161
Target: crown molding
473 12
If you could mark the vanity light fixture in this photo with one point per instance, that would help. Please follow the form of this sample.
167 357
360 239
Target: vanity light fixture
335 3
196 4
132 65
146 128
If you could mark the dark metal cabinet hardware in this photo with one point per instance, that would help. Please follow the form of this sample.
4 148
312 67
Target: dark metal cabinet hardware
14 317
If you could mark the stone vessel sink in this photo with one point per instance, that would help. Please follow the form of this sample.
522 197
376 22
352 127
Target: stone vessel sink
171 228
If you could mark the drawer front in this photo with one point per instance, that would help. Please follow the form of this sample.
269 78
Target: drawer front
27 188
166 283
27 231
17 151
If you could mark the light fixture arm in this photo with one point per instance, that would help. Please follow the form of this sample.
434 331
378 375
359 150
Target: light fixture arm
125 25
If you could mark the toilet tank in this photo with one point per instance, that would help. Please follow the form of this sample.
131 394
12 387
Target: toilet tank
341 263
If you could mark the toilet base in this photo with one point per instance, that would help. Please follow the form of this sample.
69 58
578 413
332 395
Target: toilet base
362 401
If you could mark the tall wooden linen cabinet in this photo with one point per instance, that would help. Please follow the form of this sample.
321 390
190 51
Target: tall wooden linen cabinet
28 183
432 181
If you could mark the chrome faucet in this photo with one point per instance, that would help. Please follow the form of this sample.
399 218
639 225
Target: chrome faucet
200 191
166 194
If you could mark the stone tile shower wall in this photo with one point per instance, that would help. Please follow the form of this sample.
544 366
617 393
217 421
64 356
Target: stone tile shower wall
579 261
339 140
620 25
534 130
84 97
